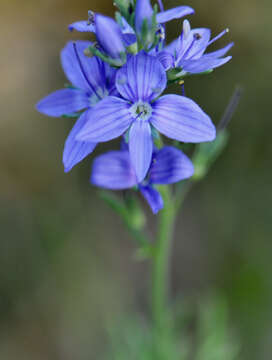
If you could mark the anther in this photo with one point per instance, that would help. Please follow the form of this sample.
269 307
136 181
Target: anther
197 36
90 17
219 36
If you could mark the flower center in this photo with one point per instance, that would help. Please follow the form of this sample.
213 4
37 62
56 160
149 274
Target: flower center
141 111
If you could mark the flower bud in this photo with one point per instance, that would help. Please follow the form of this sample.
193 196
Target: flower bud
109 36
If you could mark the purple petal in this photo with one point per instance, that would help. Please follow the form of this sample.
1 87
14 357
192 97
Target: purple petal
170 165
175 13
180 118
125 27
75 151
113 171
82 26
166 59
171 48
203 64
143 12
153 197
109 119
140 147
201 38
192 44
62 102
93 67
109 35
219 53
142 78
129 39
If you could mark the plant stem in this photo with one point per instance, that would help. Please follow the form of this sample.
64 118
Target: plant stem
160 265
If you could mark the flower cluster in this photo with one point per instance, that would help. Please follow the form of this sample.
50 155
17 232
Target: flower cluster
116 90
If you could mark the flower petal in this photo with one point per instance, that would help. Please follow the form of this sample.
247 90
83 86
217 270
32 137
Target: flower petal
75 151
219 53
201 38
175 13
109 35
129 39
153 197
82 26
143 12
204 64
166 59
141 78
180 118
63 102
171 48
92 67
170 165
125 27
107 120
140 148
113 170
192 43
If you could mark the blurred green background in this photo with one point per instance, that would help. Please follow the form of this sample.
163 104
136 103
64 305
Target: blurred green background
66 261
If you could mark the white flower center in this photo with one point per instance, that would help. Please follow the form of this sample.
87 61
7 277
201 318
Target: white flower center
141 111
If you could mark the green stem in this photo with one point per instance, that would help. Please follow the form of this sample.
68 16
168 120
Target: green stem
160 265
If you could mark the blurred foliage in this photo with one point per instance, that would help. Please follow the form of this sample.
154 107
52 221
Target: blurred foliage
200 332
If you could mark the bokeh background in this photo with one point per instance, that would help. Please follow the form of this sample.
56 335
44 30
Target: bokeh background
66 261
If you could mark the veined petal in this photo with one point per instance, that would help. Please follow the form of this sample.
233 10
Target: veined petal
109 35
219 53
175 13
171 48
109 119
140 147
82 26
153 197
141 78
201 38
129 39
192 43
143 12
180 118
75 151
92 67
170 165
62 102
113 170
166 59
204 64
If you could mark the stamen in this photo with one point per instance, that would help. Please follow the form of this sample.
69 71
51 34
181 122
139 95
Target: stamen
196 38
161 5
218 36
90 17
181 83
83 71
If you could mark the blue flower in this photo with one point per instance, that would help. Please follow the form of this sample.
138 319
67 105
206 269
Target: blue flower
114 171
188 51
144 12
118 36
140 83
92 80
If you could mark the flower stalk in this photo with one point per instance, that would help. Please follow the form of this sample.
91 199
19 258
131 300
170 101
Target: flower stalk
161 260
